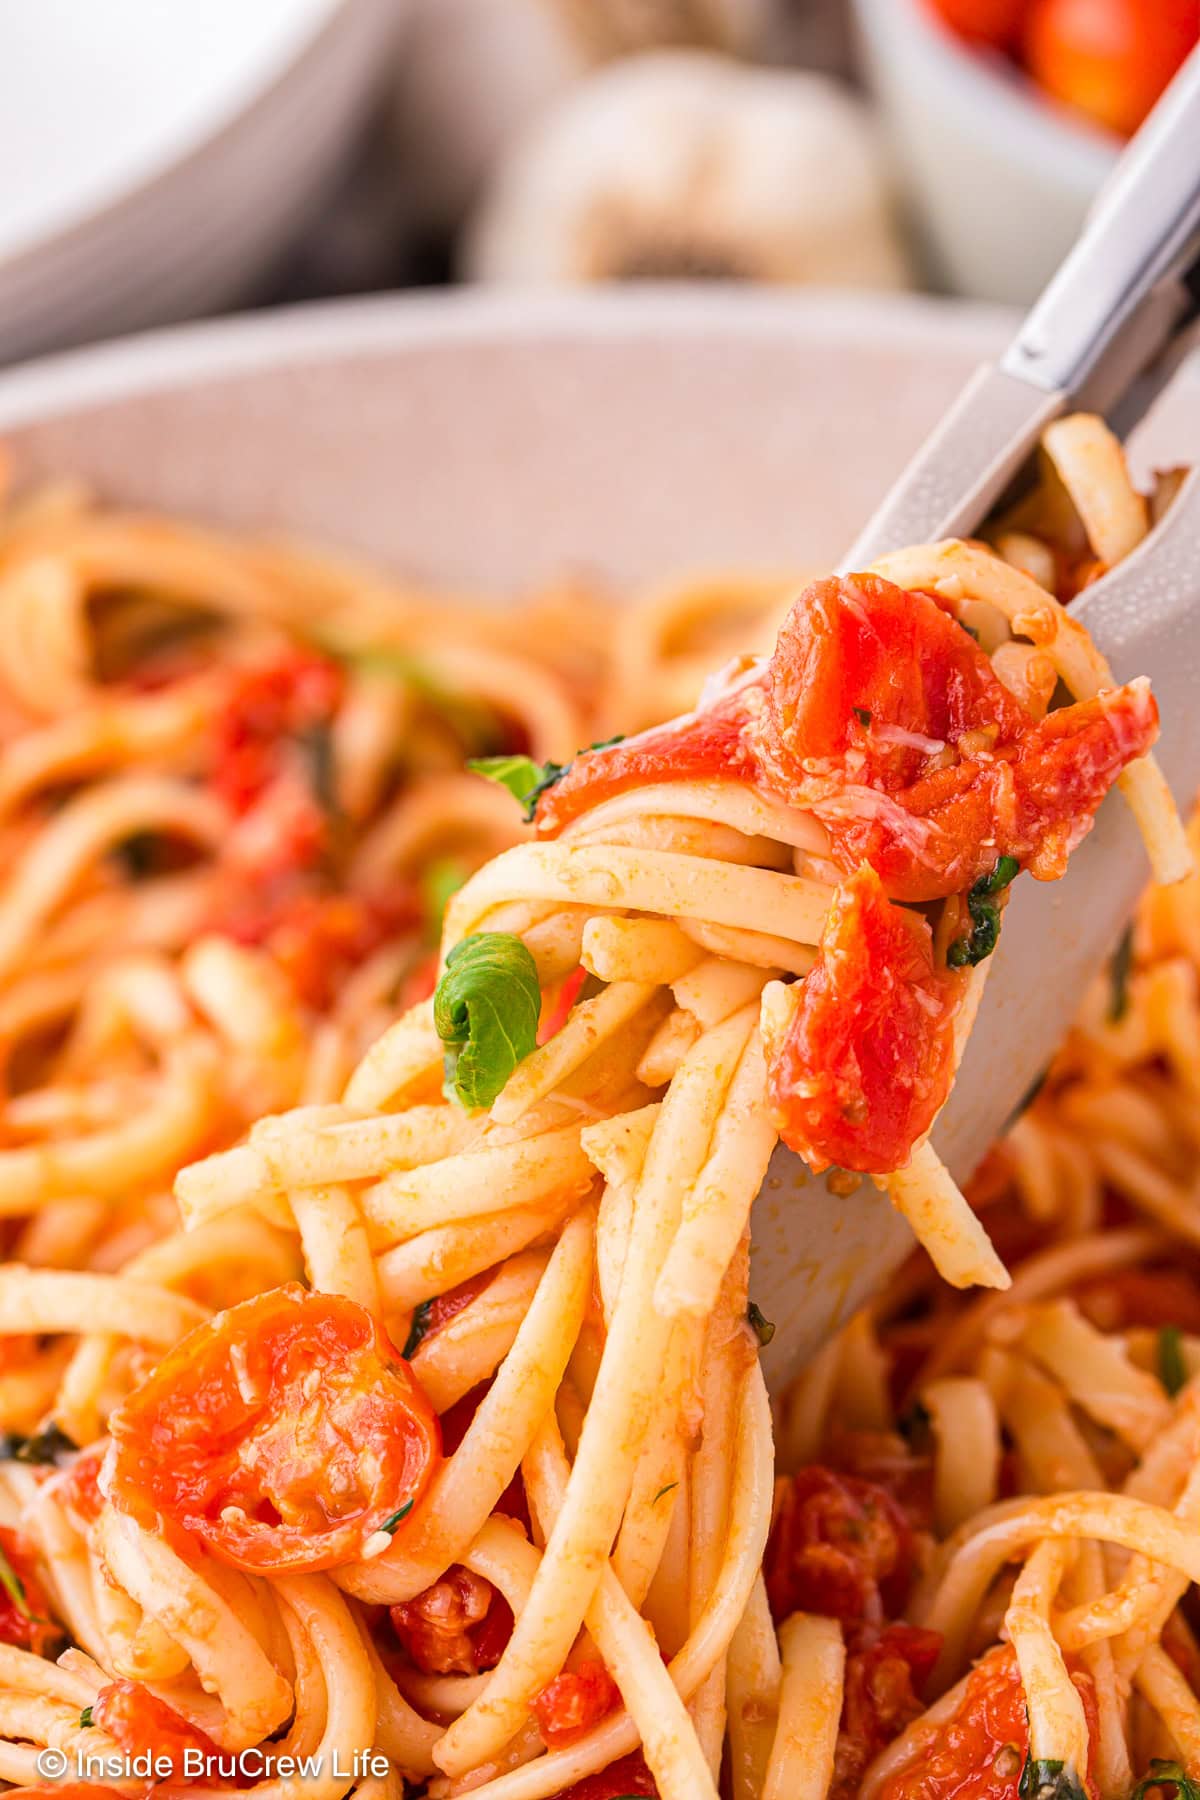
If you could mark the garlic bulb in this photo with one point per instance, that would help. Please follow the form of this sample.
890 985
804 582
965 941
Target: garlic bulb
473 72
685 164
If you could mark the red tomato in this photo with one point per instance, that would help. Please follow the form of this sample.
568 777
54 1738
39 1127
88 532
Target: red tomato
979 1752
66 1790
994 23
1146 1297
1110 59
884 717
447 1306
458 1626
867 1056
557 1011
880 1697
839 1546
25 1617
79 1487
707 744
268 706
627 1777
317 937
573 1702
138 1722
283 1433
881 715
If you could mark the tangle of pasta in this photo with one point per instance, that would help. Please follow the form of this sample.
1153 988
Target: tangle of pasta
380 1375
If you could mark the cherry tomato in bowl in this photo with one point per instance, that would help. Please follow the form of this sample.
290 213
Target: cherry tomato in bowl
1109 59
994 23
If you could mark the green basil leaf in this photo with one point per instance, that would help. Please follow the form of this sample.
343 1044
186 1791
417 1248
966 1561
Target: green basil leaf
979 943
417 1330
761 1326
49 1445
1047 1780
1119 970
13 1586
863 716
525 779
1172 1370
397 1518
485 1010
85 1718
1163 1775
664 1491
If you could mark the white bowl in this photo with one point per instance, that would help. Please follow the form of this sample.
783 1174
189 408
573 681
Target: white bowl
158 159
999 177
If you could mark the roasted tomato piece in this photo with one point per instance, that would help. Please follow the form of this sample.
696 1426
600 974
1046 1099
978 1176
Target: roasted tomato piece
269 704
622 1780
881 1696
995 24
573 1702
316 936
283 1433
1151 1298
839 1546
25 1617
79 1487
136 1720
458 1626
706 745
866 1056
979 1752
884 718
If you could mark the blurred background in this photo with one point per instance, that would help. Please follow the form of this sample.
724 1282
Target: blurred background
166 159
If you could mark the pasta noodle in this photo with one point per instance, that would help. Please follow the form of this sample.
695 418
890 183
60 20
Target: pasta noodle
378 1370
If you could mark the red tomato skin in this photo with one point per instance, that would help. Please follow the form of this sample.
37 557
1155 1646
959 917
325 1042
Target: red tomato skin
881 1696
138 1721
460 1625
38 1630
978 1754
188 1444
867 1055
628 1775
570 1704
267 705
707 744
994 24
839 1546
1109 59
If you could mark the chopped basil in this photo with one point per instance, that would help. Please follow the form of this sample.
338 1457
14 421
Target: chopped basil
525 779
914 1423
439 882
1046 1780
317 743
1163 1775
48 1445
397 1518
1172 1370
85 1718
1118 978
138 854
485 1010
417 1330
863 716
664 1491
762 1327
985 916
13 1586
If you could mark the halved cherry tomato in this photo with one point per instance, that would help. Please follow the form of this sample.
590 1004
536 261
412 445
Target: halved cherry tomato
25 1616
839 1546
979 1752
881 715
458 1626
626 1777
885 718
78 1488
283 1433
881 1696
573 1702
138 1721
1110 59
994 23
867 1056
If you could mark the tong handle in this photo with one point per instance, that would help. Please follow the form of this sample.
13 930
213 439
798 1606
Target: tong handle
1143 230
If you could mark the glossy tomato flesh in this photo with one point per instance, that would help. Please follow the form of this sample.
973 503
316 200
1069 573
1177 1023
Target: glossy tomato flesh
139 1722
573 1702
283 1433
1109 59
25 1616
993 23
460 1625
626 1777
881 1696
867 1055
979 1752
839 1546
